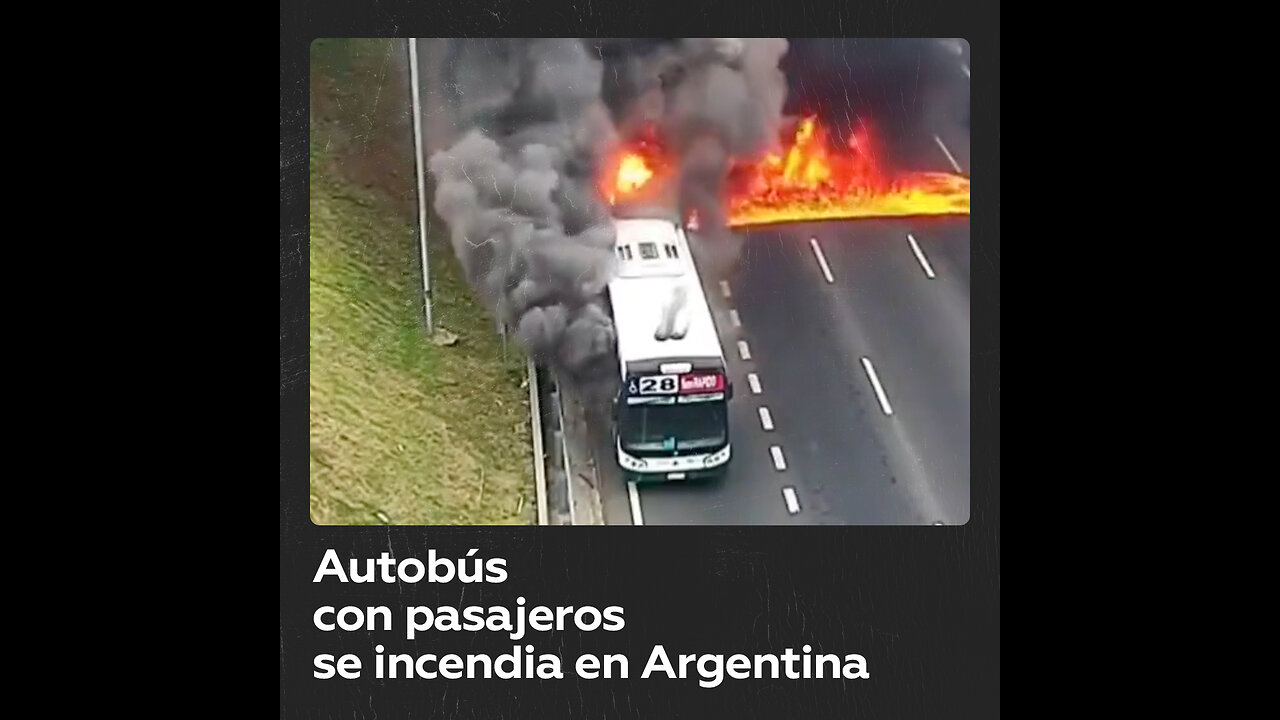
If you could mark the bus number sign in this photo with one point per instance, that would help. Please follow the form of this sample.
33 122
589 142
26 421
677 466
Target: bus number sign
656 385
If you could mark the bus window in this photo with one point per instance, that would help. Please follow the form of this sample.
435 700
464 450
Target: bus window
673 427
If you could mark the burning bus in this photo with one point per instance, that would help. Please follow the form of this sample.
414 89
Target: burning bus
671 419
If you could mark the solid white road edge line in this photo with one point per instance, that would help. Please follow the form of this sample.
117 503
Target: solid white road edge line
637 518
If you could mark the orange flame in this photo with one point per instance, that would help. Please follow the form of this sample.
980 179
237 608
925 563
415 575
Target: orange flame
812 181
634 168
633 173
809 180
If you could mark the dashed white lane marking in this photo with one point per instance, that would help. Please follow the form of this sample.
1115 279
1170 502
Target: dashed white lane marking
875 383
822 261
954 164
965 68
779 462
766 420
743 350
724 289
637 518
924 262
754 381
733 318
792 500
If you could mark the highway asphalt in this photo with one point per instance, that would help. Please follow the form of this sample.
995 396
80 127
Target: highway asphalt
889 300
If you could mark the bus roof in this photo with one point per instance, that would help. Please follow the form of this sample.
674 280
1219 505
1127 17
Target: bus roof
656 275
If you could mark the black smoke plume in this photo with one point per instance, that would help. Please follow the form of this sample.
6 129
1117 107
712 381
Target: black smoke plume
529 122
515 189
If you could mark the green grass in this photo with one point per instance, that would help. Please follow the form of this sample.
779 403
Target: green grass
402 430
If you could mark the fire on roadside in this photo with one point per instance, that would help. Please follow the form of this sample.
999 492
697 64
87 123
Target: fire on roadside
810 179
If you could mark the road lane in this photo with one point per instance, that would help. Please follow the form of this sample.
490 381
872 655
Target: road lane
916 329
818 391
867 467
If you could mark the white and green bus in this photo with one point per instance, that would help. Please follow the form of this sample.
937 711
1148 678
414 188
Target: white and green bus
671 419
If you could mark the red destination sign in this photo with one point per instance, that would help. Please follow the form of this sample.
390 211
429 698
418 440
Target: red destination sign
701 383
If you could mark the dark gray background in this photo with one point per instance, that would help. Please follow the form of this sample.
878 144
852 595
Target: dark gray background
921 603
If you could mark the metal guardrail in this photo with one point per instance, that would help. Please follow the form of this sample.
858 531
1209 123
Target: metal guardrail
561 463
581 476
564 454
539 451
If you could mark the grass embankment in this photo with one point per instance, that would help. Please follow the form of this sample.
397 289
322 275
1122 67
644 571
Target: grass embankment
403 430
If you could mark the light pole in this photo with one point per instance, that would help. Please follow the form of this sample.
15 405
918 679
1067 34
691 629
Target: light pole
422 189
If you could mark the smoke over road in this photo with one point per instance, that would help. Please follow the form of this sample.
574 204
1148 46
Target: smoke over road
529 122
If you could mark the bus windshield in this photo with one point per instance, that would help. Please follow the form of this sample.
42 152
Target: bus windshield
673 427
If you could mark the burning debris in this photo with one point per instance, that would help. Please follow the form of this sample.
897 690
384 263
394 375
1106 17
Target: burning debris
809 180
813 181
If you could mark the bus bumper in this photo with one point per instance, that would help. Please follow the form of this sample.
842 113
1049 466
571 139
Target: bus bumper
688 468
715 473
